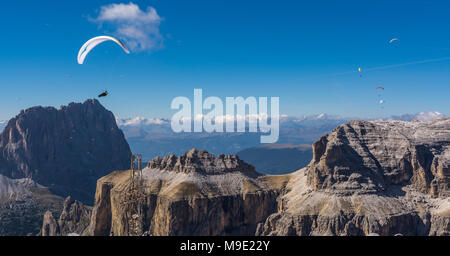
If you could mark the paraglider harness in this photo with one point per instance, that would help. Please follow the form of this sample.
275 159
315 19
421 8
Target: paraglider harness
104 94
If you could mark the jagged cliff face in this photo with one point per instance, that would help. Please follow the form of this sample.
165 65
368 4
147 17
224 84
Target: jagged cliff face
371 177
194 194
65 149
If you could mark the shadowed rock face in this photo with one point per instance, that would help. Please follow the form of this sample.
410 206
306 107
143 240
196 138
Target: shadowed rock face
65 149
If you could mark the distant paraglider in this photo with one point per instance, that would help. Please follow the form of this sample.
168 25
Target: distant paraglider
360 70
92 43
380 89
394 41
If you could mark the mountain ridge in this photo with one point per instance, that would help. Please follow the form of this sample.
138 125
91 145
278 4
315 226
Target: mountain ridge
154 136
384 177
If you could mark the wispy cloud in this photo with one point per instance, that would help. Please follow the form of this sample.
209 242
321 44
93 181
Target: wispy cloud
139 28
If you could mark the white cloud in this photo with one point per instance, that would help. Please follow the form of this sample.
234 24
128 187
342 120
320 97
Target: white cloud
249 118
139 28
138 121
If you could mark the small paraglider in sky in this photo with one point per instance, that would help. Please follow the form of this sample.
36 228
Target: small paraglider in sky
381 103
103 94
379 89
360 70
92 43
394 41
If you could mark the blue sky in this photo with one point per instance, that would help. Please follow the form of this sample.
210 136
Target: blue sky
305 52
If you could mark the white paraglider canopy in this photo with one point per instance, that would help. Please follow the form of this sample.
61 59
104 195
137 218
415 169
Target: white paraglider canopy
92 43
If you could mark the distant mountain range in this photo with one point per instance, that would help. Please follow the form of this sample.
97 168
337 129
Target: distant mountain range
154 137
422 116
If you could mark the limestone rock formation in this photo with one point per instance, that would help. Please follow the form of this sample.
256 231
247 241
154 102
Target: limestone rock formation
365 157
202 162
64 149
73 220
49 226
370 177
194 194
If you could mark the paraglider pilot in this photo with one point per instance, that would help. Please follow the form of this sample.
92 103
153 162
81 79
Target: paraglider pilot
104 94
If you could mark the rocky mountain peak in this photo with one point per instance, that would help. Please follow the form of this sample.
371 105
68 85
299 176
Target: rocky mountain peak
367 157
201 161
66 149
